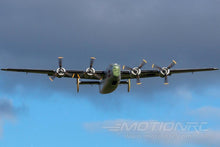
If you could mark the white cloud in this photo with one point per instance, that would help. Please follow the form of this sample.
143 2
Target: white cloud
184 92
207 112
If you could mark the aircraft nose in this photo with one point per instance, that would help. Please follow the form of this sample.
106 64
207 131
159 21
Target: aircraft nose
116 71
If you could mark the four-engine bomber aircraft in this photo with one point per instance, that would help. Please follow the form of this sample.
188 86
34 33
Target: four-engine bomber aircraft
109 80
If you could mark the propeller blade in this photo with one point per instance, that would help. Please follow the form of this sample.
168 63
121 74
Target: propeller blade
52 78
166 80
138 80
142 64
92 61
60 61
172 64
127 68
157 67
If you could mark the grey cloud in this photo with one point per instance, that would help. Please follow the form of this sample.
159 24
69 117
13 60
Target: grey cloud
6 109
6 112
147 26
34 33
9 112
208 112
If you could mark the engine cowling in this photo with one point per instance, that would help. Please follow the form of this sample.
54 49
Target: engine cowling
136 71
61 72
165 71
90 71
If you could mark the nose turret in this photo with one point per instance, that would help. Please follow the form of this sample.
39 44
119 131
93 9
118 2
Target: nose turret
116 70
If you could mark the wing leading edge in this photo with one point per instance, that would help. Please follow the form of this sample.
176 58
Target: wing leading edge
74 73
156 73
39 71
124 74
175 71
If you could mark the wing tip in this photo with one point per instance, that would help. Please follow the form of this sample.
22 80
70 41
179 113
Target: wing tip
213 68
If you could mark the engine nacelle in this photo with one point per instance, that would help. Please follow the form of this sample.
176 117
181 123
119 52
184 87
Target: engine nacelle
90 71
165 72
61 72
136 71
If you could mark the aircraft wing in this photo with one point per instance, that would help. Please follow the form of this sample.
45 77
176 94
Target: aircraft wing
124 74
144 74
83 75
71 73
39 71
156 73
175 71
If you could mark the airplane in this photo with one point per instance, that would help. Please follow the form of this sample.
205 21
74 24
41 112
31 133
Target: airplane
109 79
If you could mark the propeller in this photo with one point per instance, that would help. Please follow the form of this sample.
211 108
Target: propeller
136 71
60 60
92 59
91 71
165 71
53 77
60 72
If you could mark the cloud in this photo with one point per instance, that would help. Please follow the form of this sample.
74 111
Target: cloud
208 112
113 31
6 109
8 112
142 28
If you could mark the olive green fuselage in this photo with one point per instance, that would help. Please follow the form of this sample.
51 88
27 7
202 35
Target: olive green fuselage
112 79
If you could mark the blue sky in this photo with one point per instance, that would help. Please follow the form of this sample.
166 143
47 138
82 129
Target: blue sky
39 113
59 118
